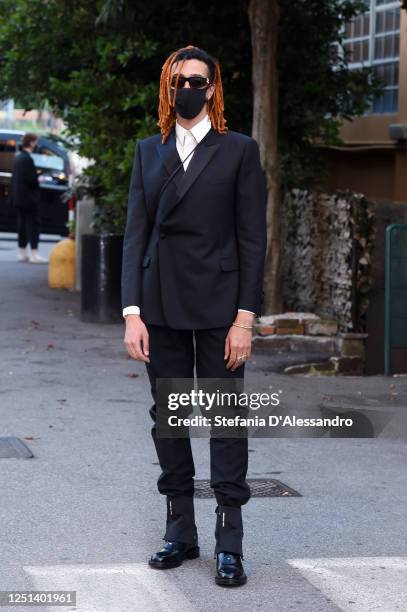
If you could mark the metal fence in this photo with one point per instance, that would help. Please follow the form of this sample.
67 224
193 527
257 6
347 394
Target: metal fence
395 309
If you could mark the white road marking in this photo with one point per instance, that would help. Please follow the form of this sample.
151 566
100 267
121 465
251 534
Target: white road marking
112 588
359 584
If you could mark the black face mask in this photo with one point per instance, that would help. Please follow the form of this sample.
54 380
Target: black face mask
189 102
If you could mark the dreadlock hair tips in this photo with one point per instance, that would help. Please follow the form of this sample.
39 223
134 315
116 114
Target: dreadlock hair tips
166 111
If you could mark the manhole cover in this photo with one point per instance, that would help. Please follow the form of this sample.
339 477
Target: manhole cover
14 447
259 487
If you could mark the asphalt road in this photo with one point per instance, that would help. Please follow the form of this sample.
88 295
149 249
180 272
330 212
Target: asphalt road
84 514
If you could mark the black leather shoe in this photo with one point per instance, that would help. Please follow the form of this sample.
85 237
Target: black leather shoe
173 554
229 570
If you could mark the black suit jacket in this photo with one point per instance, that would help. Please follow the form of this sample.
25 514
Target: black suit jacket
208 260
24 187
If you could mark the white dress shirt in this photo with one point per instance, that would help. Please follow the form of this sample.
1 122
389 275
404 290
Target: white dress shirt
185 141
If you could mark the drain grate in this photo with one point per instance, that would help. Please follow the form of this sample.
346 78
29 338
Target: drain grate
259 487
12 447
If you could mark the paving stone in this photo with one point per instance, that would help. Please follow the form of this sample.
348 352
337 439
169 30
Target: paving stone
352 344
351 365
265 330
292 329
324 327
324 368
286 322
313 344
301 317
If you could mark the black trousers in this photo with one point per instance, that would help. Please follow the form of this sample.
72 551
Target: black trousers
28 227
172 355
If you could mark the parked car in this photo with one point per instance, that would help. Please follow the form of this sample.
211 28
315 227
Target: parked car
51 160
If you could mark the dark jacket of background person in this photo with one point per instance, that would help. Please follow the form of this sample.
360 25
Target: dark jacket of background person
24 187
209 260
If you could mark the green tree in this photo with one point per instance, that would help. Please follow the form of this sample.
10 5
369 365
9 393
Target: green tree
97 64
302 92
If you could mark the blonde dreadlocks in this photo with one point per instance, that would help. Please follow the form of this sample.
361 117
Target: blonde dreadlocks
166 112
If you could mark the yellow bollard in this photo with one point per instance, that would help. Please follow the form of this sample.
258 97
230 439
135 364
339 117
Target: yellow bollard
61 265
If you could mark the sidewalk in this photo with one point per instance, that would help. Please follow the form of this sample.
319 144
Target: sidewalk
84 513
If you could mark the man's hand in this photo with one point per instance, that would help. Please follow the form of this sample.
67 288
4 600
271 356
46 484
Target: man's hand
136 338
238 344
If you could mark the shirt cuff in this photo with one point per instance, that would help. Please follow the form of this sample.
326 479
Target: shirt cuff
243 310
131 310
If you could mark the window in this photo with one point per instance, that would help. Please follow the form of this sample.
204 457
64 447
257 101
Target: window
46 162
46 159
7 152
373 39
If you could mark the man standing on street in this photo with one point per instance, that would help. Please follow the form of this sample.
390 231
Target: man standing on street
25 196
192 276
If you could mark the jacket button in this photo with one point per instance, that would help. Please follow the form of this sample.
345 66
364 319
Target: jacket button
162 234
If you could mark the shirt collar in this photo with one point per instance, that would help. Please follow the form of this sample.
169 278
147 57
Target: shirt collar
199 130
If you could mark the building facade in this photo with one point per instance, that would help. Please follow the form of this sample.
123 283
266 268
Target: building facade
373 159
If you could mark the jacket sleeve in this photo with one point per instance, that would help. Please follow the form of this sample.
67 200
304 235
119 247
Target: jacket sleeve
135 237
251 228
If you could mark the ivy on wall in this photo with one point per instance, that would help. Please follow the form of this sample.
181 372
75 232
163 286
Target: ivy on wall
327 249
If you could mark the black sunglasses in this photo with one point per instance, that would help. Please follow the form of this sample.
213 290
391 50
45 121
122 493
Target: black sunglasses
195 82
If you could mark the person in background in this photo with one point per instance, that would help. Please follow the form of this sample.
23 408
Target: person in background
25 197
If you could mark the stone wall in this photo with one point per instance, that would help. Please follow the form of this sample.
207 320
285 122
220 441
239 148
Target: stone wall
327 248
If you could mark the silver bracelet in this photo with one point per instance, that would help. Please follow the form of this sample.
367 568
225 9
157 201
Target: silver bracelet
243 326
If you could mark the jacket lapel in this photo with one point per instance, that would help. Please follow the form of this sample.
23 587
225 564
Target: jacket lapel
169 155
183 180
200 158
